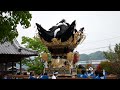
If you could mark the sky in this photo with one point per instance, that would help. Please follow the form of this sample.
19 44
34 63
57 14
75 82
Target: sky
102 28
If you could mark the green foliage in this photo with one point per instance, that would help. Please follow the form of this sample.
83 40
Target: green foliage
114 57
9 21
110 55
117 51
106 66
111 67
35 44
115 67
35 65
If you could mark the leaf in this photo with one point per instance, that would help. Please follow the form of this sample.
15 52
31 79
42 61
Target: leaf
9 21
35 44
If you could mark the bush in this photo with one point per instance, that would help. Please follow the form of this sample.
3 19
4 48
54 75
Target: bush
111 67
115 67
35 66
106 66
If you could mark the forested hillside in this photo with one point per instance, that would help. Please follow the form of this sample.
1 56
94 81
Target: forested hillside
93 56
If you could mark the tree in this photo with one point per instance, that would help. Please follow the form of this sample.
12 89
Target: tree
35 65
114 57
117 51
9 21
35 44
110 54
106 65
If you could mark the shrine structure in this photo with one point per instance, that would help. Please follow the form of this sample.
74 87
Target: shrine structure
61 40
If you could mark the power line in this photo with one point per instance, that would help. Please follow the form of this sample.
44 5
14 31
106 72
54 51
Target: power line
102 40
97 48
99 41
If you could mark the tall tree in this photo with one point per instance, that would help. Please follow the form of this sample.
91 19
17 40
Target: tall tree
35 44
9 21
114 57
111 54
117 51
34 65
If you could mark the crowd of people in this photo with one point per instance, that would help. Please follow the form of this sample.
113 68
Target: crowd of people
84 74
92 74
43 76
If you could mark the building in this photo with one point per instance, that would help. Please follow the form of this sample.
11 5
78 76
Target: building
12 52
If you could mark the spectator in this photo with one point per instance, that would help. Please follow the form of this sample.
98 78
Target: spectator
45 76
84 75
96 76
31 76
54 75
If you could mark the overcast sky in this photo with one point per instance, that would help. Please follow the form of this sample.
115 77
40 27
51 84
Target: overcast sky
102 28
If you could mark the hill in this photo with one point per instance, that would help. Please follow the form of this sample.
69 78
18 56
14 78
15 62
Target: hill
98 55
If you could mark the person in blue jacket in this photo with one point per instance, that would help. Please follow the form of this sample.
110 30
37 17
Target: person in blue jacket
45 76
84 74
31 76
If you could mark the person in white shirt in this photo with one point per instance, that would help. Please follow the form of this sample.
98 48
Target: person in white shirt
90 68
54 75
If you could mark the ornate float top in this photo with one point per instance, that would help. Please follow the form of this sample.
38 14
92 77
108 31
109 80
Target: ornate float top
62 36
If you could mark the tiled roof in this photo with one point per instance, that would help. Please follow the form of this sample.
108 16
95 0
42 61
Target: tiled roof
15 48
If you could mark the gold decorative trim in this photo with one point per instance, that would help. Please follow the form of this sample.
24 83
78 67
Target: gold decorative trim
71 42
70 56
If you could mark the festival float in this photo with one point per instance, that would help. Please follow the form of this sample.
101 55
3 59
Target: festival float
61 40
